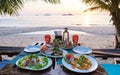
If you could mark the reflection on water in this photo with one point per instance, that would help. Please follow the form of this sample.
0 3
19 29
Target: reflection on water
87 21
38 21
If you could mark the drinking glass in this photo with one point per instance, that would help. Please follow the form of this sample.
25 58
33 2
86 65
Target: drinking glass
47 38
75 39
58 35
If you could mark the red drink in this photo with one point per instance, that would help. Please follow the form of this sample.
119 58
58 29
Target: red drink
75 39
47 38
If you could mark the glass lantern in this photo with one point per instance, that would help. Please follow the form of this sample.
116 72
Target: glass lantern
65 35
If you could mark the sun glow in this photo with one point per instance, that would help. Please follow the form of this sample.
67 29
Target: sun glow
66 6
87 21
75 7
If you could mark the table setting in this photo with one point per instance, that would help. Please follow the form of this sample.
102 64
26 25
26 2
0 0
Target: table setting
58 65
62 57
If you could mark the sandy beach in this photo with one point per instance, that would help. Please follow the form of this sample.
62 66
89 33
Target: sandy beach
94 37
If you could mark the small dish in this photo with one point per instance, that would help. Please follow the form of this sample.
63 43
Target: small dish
82 50
64 52
32 48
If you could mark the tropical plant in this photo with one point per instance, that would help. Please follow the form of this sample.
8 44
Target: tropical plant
112 6
10 7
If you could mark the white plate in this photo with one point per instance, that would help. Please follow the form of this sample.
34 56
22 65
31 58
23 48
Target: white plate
32 48
82 50
54 56
47 66
92 68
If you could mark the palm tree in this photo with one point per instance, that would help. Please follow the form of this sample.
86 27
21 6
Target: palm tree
112 6
10 7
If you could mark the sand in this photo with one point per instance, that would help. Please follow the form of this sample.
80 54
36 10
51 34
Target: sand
95 37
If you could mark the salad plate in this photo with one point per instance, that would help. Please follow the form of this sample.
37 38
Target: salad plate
54 52
34 62
75 67
32 48
67 46
82 50
56 56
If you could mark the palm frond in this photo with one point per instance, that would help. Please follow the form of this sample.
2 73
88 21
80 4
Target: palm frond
95 8
101 3
10 6
52 1
118 2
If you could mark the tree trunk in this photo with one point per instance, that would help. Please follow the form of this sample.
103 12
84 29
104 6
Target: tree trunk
116 22
117 36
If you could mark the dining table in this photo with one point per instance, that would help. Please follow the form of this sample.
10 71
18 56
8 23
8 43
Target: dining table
57 68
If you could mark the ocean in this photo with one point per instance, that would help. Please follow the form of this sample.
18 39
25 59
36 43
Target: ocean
55 20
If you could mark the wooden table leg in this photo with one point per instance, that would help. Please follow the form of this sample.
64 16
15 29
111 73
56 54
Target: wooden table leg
0 57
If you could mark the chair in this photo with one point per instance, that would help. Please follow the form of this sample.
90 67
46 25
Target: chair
112 69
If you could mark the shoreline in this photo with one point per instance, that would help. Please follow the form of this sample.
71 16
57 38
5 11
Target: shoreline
93 30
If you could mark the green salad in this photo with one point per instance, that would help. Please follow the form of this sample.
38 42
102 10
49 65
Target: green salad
32 62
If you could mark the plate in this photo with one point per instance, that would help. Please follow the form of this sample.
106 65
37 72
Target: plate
68 48
82 50
27 68
91 69
32 48
55 56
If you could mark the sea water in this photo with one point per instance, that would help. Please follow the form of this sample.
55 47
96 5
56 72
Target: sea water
55 20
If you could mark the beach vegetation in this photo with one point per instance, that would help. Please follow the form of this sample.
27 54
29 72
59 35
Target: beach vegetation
10 7
113 7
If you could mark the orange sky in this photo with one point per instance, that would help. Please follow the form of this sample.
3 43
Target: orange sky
75 7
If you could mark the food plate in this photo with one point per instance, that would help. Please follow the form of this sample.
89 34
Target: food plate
32 48
68 48
56 56
94 65
49 63
82 50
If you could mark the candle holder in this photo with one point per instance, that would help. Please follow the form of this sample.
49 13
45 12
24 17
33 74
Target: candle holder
65 35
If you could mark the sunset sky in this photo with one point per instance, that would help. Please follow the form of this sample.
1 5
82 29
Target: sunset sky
39 7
